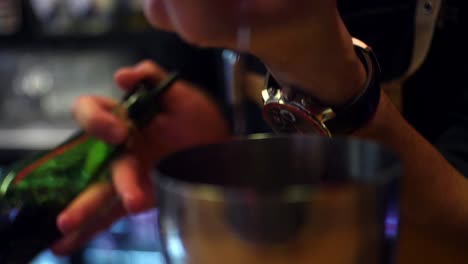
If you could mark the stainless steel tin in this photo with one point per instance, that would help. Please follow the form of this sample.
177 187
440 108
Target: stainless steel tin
295 199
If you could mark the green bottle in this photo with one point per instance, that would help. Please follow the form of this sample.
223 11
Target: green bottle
34 191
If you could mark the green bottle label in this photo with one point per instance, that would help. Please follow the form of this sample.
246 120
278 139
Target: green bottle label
58 175
49 157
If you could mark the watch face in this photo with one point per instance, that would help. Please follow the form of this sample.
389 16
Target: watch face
284 118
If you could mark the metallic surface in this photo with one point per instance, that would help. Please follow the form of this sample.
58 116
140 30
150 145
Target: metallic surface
297 199
236 97
288 109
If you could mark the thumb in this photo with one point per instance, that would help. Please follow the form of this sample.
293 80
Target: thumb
128 77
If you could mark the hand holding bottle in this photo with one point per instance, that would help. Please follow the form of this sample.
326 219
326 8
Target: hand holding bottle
189 118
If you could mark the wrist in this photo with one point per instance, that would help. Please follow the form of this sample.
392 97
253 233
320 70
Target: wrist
288 109
319 59
383 126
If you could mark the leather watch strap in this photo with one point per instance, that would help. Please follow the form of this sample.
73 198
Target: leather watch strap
289 108
359 111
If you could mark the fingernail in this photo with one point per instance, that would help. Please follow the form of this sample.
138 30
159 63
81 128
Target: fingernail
141 66
65 224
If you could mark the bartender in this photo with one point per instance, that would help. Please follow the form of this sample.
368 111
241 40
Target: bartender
307 46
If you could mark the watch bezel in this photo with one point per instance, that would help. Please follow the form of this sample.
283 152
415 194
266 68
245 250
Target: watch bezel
275 100
335 119
297 113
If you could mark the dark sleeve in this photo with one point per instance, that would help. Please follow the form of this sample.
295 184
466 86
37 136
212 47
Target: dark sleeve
436 97
453 144
453 140
387 26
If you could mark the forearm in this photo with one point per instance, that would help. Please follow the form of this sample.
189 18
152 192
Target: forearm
319 57
330 71
434 197
432 188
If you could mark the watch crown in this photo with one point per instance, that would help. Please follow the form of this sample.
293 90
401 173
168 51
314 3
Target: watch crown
272 91
268 94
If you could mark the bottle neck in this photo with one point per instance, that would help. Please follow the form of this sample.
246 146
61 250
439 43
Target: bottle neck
144 102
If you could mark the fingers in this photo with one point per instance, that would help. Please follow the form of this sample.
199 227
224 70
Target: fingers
133 183
157 14
146 70
131 180
78 238
85 217
94 114
84 207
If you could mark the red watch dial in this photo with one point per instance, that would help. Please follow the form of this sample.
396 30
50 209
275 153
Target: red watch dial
284 118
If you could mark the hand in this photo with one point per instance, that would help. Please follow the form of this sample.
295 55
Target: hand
214 23
303 42
190 118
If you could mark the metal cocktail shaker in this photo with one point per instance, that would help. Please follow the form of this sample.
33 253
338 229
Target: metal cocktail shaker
295 199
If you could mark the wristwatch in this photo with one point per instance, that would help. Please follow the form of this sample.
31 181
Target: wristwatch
288 109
